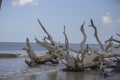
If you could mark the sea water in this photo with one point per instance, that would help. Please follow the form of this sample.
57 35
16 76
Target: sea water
16 69
17 47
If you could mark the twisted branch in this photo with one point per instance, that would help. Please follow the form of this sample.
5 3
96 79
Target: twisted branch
66 42
112 39
96 35
84 36
49 37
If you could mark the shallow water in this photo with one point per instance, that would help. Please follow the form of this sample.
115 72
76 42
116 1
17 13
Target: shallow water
16 48
16 69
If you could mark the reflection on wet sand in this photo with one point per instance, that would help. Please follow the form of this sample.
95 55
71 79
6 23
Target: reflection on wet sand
52 76
33 77
46 72
60 75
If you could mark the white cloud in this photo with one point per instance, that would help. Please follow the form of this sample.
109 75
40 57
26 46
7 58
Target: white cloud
22 2
107 20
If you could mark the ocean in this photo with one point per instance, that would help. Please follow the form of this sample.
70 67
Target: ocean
16 69
17 47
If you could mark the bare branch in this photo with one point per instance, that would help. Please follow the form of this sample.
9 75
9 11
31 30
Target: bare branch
110 44
45 44
112 39
118 34
96 35
66 42
29 50
115 40
111 55
71 49
49 36
84 35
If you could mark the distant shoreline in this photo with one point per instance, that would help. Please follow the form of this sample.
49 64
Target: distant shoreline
12 55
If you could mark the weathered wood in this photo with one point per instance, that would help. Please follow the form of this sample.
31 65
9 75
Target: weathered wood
86 58
71 62
34 59
84 37
110 55
110 44
118 34
50 44
96 35
29 50
77 64
66 42
82 49
48 35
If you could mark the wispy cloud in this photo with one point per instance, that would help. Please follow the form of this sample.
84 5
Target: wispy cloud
23 2
107 20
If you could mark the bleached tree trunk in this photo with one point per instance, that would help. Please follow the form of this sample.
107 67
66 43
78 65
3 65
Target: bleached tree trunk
34 59
83 59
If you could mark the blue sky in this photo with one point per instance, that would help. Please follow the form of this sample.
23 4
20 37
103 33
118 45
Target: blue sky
18 19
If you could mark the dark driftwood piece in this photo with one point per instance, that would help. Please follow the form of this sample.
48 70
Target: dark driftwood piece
0 3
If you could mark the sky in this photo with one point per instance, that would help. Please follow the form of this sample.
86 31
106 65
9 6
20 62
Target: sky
18 19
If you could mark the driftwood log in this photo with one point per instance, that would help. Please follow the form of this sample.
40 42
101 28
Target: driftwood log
86 56
34 59
83 60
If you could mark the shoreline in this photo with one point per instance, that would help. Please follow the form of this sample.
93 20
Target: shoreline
13 55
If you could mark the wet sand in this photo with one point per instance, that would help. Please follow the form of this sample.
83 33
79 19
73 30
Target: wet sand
16 69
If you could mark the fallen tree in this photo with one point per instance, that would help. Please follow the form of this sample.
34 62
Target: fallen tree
34 59
86 56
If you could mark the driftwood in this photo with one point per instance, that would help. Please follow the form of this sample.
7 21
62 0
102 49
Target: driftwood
48 42
34 59
96 34
95 59
85 61
54 50
86 58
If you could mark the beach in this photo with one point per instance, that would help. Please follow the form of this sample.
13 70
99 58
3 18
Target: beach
13 66
16 69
